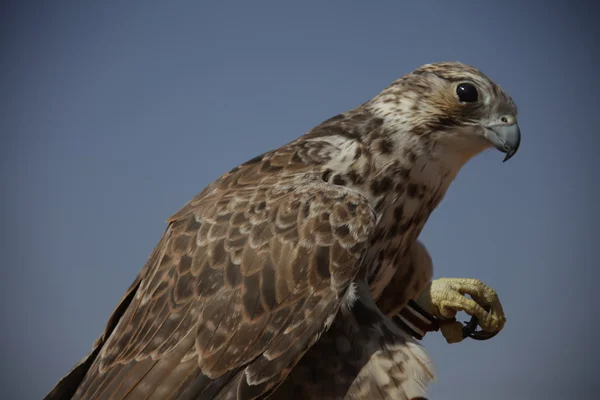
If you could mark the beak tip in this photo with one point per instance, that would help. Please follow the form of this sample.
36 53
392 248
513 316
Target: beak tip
509 155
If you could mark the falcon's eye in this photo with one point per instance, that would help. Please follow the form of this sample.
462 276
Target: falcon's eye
467 93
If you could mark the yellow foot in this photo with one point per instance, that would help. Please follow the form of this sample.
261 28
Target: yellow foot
444 297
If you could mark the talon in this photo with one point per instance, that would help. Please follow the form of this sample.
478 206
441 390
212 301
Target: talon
470 330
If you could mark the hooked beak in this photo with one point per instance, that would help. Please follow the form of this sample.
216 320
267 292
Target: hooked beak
506 137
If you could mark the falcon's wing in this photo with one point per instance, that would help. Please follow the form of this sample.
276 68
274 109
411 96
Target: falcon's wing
243 282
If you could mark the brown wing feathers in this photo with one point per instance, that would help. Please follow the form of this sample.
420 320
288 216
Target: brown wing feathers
246 276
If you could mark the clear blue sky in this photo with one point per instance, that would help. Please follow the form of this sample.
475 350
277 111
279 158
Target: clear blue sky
113 115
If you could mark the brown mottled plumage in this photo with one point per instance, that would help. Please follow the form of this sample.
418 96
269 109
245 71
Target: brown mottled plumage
250 274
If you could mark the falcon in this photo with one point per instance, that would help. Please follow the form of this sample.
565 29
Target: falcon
283 277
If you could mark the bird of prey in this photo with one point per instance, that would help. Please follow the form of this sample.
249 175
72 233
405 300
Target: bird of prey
280 279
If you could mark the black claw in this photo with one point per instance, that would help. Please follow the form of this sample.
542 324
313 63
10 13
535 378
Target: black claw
470 330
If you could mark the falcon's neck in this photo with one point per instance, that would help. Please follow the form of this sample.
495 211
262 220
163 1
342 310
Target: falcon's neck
386 163
415 181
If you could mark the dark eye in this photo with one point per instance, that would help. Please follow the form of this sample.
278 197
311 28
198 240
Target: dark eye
467 93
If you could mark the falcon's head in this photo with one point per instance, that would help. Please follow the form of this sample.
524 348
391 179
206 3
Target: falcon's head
452 105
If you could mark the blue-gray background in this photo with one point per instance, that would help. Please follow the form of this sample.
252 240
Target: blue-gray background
113 115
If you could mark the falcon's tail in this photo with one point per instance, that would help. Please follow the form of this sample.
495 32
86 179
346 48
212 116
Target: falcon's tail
399 370
363 356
